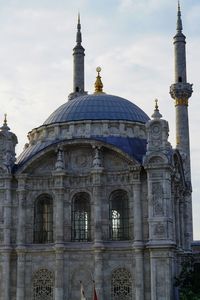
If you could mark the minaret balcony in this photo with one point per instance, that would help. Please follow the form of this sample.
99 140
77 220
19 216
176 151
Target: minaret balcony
181 91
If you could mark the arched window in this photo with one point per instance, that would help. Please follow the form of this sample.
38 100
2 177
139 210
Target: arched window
81 215
119 216
121 285
43 220
43 285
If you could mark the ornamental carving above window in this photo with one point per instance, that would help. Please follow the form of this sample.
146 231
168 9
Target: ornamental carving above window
121 285
43 285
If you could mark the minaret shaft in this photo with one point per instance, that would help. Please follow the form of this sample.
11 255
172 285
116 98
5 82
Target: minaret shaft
78 70
181 91
180 61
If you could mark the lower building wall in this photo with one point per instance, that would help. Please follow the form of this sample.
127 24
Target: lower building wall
59 276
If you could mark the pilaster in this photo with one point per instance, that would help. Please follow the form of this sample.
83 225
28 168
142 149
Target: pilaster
59 272
6 253
7 211
97 172
21 256
139 274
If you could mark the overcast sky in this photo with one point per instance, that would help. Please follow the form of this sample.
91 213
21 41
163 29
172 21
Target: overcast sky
130 39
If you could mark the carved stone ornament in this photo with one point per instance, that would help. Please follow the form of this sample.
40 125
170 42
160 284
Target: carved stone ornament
97 162
60 165
157 196
159 229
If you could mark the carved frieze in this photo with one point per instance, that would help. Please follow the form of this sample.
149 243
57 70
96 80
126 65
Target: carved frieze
114 162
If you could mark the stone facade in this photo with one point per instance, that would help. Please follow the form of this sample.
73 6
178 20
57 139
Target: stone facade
105 199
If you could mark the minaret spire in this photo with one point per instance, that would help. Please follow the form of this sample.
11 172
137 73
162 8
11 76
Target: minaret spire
181 91
78 34
179 26
78 65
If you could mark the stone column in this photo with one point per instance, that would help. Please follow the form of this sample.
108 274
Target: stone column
161 274
177 223
59 272
21 239
59 216
7 213
138 244
6 274
139 274
98 273
137 213
189 224
20 274
59 176
21 218
97 220
7 239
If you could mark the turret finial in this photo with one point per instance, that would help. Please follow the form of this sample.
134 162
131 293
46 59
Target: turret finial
98 84
179 27
78 35
5 120
156 104
5 124
156 114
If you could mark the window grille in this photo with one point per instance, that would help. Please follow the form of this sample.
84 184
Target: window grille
81 218
43 220
43 285
121 285
119 216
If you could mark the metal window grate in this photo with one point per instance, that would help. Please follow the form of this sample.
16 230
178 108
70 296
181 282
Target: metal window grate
43 285
43 220
119 216
81 218
121 285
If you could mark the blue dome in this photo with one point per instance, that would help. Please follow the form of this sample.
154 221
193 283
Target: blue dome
97 107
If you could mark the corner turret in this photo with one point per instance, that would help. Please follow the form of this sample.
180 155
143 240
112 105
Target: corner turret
8 141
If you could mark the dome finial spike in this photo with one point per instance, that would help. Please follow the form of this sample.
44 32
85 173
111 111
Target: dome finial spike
179 27
98 83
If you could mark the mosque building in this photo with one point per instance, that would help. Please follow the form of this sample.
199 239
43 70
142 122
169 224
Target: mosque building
98 193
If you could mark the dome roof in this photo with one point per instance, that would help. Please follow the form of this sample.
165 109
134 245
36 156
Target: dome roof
97 107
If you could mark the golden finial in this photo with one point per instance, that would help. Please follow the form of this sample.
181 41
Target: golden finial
5 120
156 104
98 84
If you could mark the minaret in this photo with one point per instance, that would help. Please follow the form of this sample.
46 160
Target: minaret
78 68
181 91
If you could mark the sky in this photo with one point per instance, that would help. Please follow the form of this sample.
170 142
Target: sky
132 41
